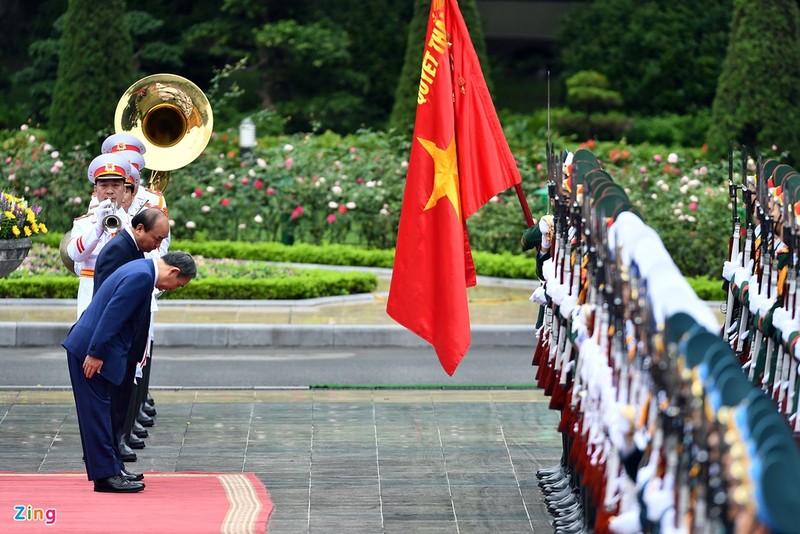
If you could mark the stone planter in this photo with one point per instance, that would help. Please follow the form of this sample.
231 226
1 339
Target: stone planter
12 252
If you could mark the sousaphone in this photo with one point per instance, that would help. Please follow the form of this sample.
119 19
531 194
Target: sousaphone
171 116
173 119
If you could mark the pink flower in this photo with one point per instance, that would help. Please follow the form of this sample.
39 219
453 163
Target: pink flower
225 202
289 163
258 184
297 212
227 185
270 191
245 180
539 167
342 209
352 149
658 158
8 159
692 206
198 192
643 169
359 180
331 218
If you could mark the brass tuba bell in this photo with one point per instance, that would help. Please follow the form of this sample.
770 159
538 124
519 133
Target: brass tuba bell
171 116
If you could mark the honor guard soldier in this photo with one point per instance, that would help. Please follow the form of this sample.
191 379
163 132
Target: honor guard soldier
90 232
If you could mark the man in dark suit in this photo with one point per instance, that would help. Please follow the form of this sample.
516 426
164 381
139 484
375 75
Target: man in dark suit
148 229
97 354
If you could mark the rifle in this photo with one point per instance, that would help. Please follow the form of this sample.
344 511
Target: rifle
733 250
764 261
789 293
747 199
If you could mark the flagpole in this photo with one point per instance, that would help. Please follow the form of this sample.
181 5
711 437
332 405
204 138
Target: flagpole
526 210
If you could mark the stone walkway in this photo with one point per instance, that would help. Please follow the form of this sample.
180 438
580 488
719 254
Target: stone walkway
356 460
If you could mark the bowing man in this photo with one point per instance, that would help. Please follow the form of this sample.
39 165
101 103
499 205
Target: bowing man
97 354
148 229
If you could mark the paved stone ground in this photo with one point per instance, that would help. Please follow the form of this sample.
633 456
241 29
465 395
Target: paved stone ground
358 460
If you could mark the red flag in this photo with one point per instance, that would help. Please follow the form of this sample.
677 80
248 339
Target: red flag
459 160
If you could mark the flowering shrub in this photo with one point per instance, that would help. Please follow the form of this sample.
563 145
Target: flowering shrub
332 189
17 219
31 167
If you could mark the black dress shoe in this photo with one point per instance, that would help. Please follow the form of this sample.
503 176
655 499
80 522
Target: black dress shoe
131 476
139 430
149 410
150 400
547 471
134 442
126 454
117 484
144 419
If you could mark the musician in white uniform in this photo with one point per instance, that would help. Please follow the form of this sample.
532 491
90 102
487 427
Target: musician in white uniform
90 232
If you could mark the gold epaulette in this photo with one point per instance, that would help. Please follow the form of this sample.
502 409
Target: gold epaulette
82 216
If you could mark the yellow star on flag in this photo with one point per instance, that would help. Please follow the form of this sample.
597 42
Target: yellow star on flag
445 174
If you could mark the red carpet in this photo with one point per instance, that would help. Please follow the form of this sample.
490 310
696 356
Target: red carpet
171 503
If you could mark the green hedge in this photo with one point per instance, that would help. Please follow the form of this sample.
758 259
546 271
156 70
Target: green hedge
310 284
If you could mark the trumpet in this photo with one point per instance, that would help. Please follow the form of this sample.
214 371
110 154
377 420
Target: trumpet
112 222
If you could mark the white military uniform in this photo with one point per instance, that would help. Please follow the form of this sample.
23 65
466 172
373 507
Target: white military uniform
88 234
84 246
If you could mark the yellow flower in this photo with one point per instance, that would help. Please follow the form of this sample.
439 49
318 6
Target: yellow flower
42 228
30 216
9 215
15 231
35 228
27 231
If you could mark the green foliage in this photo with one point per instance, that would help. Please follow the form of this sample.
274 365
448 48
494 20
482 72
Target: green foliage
38 76
608 126
670 129
39 287
588 91
662 57
309 284
306 284
151 53
505 265
297 253
759 87
707 288
94 69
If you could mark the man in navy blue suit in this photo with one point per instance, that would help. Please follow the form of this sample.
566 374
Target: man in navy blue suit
97 355
148 229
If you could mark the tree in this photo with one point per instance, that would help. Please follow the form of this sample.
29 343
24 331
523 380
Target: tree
588 94
22 23
661 56
95 67
405 101
759 87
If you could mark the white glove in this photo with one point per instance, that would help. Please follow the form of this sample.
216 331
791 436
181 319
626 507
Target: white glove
729 267
658 498
557 292
626 522
538 296
782 320
103 210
